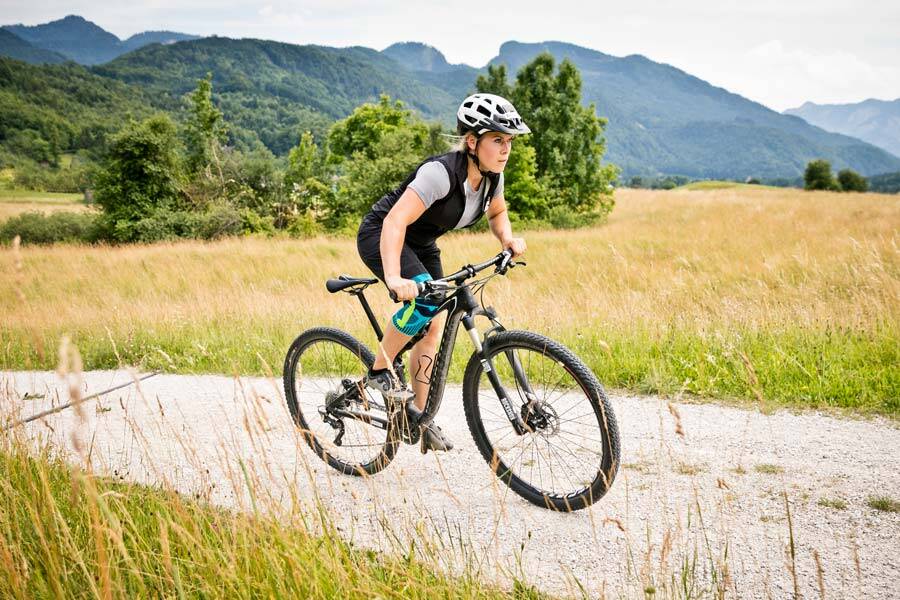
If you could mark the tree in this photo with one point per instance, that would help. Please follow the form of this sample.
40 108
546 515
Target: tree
851 181
206 131
495 82
366 126
139 175
818 176
566 136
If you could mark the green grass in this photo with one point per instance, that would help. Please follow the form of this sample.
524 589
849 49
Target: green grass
835 503
819 369
722 185
33 197
884 504
68 534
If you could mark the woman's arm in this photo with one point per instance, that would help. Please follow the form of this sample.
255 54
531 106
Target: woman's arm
498 218
393 231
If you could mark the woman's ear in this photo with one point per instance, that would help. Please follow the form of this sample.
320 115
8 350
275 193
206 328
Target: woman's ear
471 142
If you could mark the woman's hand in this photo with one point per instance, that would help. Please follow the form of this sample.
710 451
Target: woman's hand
515 245
404 289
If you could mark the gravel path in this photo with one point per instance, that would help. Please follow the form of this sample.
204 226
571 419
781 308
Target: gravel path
678 499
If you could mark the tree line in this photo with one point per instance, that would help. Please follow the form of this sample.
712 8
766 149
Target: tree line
158 179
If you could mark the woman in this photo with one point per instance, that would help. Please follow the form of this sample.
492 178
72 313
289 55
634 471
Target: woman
396 238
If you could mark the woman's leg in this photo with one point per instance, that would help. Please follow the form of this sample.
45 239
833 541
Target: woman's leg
421 361
392 343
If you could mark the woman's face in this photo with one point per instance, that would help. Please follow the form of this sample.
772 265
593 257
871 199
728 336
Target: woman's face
493 151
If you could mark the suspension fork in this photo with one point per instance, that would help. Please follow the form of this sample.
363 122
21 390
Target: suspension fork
486 363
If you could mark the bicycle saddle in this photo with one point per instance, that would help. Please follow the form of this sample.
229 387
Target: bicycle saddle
345 281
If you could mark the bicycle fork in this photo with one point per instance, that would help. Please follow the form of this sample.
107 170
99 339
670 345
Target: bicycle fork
514 418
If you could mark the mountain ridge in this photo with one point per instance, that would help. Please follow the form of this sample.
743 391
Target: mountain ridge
662 119
872 120
85 42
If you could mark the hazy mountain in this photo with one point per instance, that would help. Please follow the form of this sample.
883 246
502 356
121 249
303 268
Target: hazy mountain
146 38
417 56
875 121
84 42
13 46
663 120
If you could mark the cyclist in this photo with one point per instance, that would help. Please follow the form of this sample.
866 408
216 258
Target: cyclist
396 238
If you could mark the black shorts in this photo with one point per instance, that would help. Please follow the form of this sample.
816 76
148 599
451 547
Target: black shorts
414 260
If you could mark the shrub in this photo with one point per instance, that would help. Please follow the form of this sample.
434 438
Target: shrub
818 176
851 181
38 228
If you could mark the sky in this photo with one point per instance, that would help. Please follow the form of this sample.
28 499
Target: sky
780 53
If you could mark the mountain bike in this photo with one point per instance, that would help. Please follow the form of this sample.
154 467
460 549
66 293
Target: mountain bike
537 413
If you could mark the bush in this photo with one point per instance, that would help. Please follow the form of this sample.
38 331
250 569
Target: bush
38 228
562 217
851 181
818 176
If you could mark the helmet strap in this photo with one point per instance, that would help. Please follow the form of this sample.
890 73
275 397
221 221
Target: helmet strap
474 157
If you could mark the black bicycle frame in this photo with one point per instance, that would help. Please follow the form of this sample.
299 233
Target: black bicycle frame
461 306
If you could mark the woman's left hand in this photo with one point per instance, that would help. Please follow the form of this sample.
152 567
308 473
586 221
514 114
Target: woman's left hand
516 245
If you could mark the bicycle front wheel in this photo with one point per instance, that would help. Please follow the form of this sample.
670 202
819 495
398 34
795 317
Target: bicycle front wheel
569 455
346 424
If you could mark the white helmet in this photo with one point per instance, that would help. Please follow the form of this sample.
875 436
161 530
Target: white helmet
480 113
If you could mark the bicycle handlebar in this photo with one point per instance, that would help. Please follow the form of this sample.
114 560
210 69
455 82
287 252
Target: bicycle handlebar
503 261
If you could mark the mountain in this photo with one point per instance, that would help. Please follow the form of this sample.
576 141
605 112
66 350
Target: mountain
13 46
418 57
276 89
139 40
664 120
875 121
84 42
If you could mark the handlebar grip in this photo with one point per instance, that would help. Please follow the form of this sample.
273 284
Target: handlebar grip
420 285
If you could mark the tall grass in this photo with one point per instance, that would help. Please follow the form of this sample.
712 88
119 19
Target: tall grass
67 533
693 292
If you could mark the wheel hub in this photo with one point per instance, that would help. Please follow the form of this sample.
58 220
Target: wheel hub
540 418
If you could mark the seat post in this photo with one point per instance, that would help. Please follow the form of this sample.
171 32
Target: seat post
369 313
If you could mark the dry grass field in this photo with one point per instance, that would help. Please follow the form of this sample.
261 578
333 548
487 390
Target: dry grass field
780 296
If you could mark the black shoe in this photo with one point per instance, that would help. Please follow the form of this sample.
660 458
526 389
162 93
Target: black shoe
434 439
385 383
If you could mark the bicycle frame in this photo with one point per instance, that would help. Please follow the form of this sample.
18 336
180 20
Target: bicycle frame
461 307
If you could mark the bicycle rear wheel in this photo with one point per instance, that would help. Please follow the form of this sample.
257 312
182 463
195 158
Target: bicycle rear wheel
569 456
346 424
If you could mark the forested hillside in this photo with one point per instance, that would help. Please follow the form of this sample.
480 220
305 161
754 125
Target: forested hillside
53 109
278 90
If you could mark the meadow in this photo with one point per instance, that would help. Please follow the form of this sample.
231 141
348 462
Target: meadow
16 202
773 296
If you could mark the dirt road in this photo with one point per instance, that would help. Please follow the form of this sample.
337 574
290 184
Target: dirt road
679 502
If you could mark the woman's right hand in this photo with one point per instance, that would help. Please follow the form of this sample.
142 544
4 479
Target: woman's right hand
404 289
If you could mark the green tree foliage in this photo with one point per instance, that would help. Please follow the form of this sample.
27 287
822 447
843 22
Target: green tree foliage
818 176
379 145
851 181
139 176
366 126
566 140
205 131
